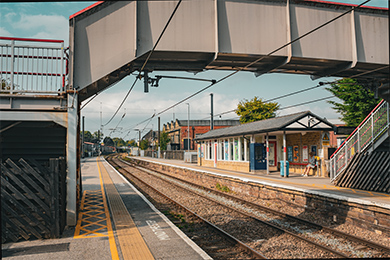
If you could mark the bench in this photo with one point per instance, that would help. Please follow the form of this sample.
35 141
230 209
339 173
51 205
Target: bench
312 171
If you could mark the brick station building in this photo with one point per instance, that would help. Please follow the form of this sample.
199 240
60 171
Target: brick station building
178 131
243 147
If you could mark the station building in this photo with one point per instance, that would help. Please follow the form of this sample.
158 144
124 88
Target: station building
291 137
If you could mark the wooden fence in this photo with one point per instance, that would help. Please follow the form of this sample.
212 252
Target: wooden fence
33 199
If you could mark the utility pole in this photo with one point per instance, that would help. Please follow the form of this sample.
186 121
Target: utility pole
188 128
159 136
101 129
212 112
82 140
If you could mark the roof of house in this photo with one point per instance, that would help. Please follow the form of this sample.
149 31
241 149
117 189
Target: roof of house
193 123
302 121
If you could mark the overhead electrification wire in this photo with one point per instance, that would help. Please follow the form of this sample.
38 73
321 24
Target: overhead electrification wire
146 61
283 96
308 102
260 59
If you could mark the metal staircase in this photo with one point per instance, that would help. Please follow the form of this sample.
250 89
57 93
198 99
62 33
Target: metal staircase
371 136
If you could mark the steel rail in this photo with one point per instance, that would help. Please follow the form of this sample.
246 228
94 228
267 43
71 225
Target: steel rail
254 218
252 251
373 245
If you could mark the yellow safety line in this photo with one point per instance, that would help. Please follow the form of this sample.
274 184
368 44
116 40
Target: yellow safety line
78 226
111 239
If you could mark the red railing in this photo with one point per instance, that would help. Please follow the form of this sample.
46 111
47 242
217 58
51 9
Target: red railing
369 131
32 66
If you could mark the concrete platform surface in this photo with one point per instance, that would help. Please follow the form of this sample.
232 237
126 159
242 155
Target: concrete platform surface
115 222
315 185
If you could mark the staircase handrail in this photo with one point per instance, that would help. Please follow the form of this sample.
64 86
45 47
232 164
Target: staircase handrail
342 155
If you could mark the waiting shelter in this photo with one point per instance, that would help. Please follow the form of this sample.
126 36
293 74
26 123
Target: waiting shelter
244 147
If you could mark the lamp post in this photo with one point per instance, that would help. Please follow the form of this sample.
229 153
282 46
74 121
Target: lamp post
188 127
139 141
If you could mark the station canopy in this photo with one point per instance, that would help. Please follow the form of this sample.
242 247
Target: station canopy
304 121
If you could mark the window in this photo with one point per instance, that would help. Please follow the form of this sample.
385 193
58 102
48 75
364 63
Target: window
231 149
242 152
236 155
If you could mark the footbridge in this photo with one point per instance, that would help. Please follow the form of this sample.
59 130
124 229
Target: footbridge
40 104
109 40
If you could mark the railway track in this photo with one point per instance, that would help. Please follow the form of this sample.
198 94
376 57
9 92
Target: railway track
331 242
216 242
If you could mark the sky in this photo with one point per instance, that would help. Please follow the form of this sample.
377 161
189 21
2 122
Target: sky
50 20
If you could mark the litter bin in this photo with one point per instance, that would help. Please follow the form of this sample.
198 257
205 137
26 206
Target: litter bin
282 168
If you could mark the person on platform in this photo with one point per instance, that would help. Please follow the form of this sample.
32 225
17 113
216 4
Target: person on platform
311 165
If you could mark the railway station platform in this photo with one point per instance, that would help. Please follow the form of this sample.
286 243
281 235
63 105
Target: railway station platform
295 181
115 221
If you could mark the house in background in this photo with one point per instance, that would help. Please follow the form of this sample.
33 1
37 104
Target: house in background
178 131
152 137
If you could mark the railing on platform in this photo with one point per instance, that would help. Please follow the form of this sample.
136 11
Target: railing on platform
32 66
369 131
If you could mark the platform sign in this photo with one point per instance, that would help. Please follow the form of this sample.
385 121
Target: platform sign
305 153
226 150
325 139
296 153
290 153
313 148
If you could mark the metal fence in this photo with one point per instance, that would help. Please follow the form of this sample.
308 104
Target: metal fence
369 131
32 66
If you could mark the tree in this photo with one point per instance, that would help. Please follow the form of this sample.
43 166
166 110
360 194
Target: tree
108 141
164 140
97 136
5 85
87 136
144 144
256 109
131 143
119 142
357 101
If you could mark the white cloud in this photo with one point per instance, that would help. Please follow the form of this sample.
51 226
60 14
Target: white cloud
4 32
44 26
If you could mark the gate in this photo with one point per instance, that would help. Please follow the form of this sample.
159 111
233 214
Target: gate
33 199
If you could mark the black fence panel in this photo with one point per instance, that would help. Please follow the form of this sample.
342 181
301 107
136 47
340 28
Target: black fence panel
33 199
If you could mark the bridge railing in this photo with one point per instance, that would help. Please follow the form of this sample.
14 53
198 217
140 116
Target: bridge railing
373 127
32 66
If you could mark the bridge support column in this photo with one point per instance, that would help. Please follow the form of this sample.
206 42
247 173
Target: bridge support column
71 157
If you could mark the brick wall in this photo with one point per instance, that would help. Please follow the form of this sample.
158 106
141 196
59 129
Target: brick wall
227 165
371 217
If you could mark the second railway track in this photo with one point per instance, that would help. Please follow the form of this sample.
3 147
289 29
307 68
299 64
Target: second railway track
274 234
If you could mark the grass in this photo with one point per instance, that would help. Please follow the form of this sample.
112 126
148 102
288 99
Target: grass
222 188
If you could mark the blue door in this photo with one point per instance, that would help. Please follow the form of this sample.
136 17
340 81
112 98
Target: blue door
258 159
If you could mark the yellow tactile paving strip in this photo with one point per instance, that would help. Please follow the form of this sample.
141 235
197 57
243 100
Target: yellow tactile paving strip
130 239
94 218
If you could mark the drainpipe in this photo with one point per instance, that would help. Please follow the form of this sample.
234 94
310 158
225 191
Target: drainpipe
284 154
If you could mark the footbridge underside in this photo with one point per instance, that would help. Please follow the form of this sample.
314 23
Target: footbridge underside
109 40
